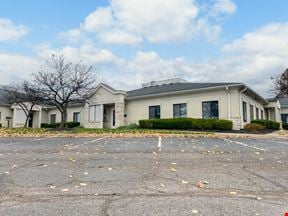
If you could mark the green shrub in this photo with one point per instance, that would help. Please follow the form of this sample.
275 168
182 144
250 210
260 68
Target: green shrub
268 124
130 126
285 126
186 124
56 125
0 125
254 127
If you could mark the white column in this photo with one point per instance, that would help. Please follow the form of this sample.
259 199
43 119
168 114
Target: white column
14 117
40 118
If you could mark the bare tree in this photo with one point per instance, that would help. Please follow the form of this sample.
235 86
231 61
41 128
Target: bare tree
23 96
281 85
61 82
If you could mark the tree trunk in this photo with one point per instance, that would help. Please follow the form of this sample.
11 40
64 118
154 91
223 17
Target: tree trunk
26 121
63 119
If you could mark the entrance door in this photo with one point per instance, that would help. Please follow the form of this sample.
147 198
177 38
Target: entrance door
113 118
30 122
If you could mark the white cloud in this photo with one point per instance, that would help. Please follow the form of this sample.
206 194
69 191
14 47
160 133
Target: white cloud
270 40
99 20
252 59
72 35
10 31
16 67
87 53
156 21
224 6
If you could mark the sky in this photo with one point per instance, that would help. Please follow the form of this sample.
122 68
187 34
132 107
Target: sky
130 42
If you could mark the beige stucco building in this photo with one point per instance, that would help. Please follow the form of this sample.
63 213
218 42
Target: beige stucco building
107 107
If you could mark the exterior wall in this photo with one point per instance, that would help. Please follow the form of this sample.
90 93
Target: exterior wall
100 97
6 112
19 117
255 104
44 116
70 112
138 109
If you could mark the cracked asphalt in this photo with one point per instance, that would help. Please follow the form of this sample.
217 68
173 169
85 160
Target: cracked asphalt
135 176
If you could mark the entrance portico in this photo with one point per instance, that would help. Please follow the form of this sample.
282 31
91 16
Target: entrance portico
104 108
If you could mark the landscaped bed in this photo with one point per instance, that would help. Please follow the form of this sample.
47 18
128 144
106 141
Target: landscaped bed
90 132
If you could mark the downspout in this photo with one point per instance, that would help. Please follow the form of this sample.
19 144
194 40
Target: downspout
240 105
229 102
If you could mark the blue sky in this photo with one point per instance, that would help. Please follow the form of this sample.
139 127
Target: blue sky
200 40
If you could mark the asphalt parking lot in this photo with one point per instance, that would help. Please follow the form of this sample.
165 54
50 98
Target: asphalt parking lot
142 176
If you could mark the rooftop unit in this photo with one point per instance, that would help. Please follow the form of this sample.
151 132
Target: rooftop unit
163 82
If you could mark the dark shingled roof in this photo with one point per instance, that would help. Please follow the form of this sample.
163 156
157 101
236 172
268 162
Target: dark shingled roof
3 99
284 101
173 88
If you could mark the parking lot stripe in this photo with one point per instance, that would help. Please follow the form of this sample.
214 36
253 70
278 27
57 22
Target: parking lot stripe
101 138
244 144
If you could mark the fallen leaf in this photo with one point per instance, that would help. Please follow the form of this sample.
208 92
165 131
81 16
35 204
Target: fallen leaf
52 187
110 168
70 176
233 192
184 182
205 182
7 172
83 184
71 158
259 198
200 184
85 173
173 163
65 190
162 185
195 211
173 170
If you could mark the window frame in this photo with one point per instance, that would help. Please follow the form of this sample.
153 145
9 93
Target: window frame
156 113
244 111
54 118
251 109
210 116
179 106
283 115
262 114
78 117
257 113
97 109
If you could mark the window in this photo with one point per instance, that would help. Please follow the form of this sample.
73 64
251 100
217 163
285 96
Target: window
94 113
257 113
154 112
210 109
284 118
244 111
180 110
52 118
262 114
76 117
251 112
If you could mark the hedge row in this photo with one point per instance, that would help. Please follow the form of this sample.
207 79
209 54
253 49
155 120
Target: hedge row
186 124
268 124
254 127
56 125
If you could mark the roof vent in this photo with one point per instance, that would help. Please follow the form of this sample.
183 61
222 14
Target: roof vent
163 82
